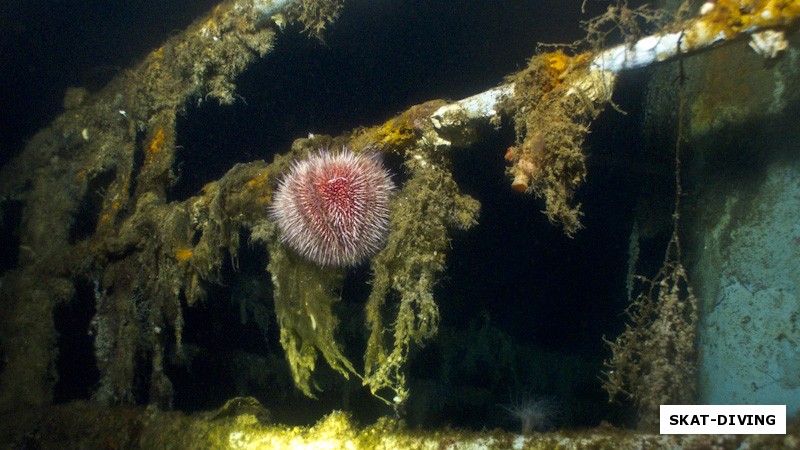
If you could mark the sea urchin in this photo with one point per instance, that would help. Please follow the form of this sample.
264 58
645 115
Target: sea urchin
333 208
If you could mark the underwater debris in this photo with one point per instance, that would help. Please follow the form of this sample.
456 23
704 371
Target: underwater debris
722 20
654 361
141 253
552 112
620 20
315 15
304 295
427 206
566 92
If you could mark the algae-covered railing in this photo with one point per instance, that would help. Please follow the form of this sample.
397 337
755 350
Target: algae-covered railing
112 154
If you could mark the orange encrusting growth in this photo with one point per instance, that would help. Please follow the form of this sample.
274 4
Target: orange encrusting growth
113 204
397 134
556 64
730 17
260 187
155 147
183 254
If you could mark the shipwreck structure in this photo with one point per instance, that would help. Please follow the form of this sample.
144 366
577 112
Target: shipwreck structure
95 213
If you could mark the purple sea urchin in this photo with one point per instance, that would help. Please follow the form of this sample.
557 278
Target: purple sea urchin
333 208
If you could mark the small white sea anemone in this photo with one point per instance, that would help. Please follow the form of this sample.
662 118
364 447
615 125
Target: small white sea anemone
534 413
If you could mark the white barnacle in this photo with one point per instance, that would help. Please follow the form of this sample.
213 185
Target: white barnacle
769 43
